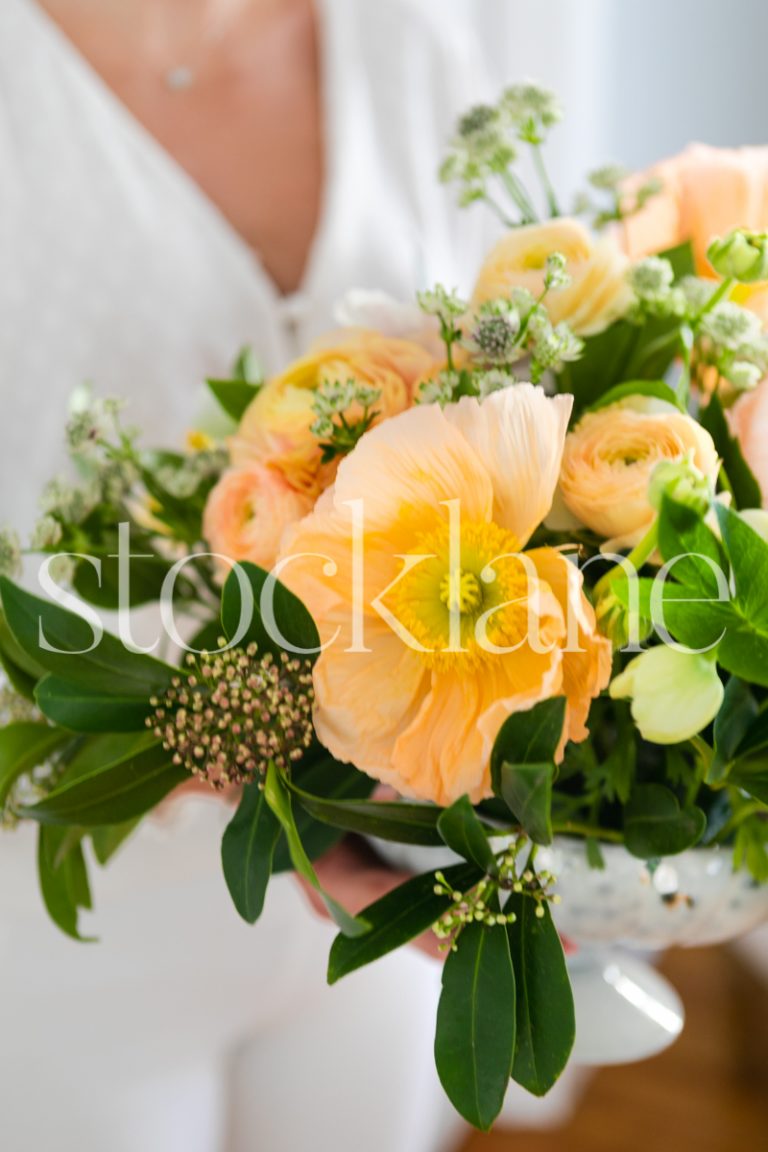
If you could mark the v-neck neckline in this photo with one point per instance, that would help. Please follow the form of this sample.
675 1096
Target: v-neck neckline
186 183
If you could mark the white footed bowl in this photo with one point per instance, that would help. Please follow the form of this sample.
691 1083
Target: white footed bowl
625 1010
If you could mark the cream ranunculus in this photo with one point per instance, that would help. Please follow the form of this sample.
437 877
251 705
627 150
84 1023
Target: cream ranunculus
598 292
276 428
609 459
674 693
247 513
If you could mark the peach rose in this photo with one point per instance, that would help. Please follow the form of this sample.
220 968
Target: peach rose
248 511
706 192
276 428
749 423
598 292
610 455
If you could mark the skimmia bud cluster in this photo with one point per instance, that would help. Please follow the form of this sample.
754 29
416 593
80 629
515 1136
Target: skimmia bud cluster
234 713
481 902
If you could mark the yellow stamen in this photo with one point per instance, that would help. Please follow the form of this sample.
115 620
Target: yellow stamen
460 591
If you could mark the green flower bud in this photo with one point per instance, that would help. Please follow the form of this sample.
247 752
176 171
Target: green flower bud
682 481
741 255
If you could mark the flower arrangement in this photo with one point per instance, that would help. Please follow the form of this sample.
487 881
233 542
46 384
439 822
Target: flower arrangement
511 563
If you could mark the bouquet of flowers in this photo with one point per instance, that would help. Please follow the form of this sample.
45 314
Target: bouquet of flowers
509 562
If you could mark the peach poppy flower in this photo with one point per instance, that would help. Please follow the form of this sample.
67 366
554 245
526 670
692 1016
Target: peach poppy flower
449 627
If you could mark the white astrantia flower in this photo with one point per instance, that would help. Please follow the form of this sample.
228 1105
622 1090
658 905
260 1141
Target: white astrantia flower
674 693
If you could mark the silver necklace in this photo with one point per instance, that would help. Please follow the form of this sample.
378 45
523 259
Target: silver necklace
180 78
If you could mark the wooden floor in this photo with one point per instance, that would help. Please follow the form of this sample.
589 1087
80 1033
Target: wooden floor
709 1093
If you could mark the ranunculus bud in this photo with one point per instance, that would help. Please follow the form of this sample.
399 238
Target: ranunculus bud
741 255
683 482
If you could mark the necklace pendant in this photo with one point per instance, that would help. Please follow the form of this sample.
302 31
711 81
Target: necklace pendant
179 79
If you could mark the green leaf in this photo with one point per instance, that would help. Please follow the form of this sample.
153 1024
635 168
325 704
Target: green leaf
527 792
23 746
147 576
656 825
328 778
401 822
546 1025
745 488
732 724
397 918
748 553
109 667
279 799
111 837
82 708
247 850
657 389
465 834
22 672
63 880
294 622
234 396
624 351
752 779
113 793
476 1023
684 539
529 737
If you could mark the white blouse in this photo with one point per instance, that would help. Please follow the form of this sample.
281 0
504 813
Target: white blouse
118 270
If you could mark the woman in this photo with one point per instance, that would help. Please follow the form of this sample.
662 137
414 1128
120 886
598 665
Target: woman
181 178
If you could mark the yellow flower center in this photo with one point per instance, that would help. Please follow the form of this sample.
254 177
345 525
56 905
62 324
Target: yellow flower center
459 599
460 591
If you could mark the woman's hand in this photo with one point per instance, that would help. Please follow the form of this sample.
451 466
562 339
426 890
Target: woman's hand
353 875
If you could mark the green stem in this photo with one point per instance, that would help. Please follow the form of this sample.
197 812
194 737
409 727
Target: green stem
637 558
572 828
546 183
499 211
517 192
722 292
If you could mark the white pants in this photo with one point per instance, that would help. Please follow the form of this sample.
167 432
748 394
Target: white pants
184 1028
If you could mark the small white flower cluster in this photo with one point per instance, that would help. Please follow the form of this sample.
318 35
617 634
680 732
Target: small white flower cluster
69 503
532 110
10 553
731 340
334 398
609 182
485 147
444 303
92 422
184 480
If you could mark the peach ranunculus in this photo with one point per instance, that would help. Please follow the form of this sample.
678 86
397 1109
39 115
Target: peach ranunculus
749 423
248 511
598 292
449 628
276 428
706 192
609 458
